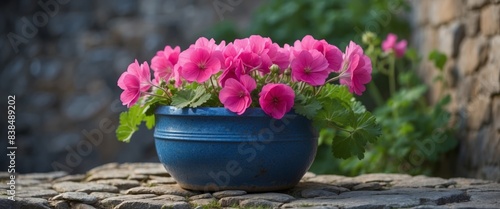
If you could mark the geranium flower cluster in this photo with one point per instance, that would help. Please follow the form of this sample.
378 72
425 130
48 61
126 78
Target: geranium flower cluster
250 71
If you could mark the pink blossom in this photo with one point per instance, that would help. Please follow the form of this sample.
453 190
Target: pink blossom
233 70
200 66
357 69
135 80
236 94
276 99
131 92
332 54
390 44
163 63
310 67
256 53
200 61
141 72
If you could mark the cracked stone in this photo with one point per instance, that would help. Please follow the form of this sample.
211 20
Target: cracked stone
381 177
423 181
170 197
76 178
121 184
202 202
368 186
44 193
160 171
138 177
152 204
161 180
380 201
28 182
310 193
83 187
255 203
132 166
31 203
81 206
61 204
228 193
326 178
275 197
161 190
103 195
201 196
77 197
114 201
468 181
105 167
111 174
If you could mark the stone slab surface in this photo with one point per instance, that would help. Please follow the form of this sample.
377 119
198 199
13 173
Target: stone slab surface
146 185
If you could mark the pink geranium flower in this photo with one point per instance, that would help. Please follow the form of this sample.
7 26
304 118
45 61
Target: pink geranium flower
276 99
201 65
131 91
332 54
390 44
357 69
163 63
135 80
310 67
235 96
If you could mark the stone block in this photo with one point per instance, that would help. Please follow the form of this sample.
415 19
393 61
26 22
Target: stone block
444 11
478 112
475 4
473 52
490 20
494 56
488 81
495 108
472 23
450 37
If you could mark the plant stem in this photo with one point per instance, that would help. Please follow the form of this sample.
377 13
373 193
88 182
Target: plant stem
392 77
375 93
166 92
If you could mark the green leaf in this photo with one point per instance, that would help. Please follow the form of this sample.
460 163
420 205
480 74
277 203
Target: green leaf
337 113
150 121
309 110
129 122
204 98
182 98
190 97
364 130
335 91
438 58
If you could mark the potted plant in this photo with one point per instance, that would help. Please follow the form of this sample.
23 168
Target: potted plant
247 114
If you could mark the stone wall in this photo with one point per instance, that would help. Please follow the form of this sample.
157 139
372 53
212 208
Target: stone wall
61 59
468 32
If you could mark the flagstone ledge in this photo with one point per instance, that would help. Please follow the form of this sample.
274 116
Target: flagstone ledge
148 185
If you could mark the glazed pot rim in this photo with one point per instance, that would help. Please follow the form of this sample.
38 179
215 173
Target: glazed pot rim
210 111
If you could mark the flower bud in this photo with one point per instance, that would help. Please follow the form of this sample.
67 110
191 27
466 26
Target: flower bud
275 69
369 38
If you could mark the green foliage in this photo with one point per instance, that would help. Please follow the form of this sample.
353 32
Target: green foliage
337 21
190 97
346 130
131 119
415 134
438 58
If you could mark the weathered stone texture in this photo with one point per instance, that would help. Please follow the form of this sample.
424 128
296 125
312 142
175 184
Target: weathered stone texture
377 190
468 32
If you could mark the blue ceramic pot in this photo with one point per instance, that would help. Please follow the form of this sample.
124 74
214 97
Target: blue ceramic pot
211 149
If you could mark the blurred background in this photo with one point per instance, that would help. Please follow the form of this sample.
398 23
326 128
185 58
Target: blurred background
62 58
